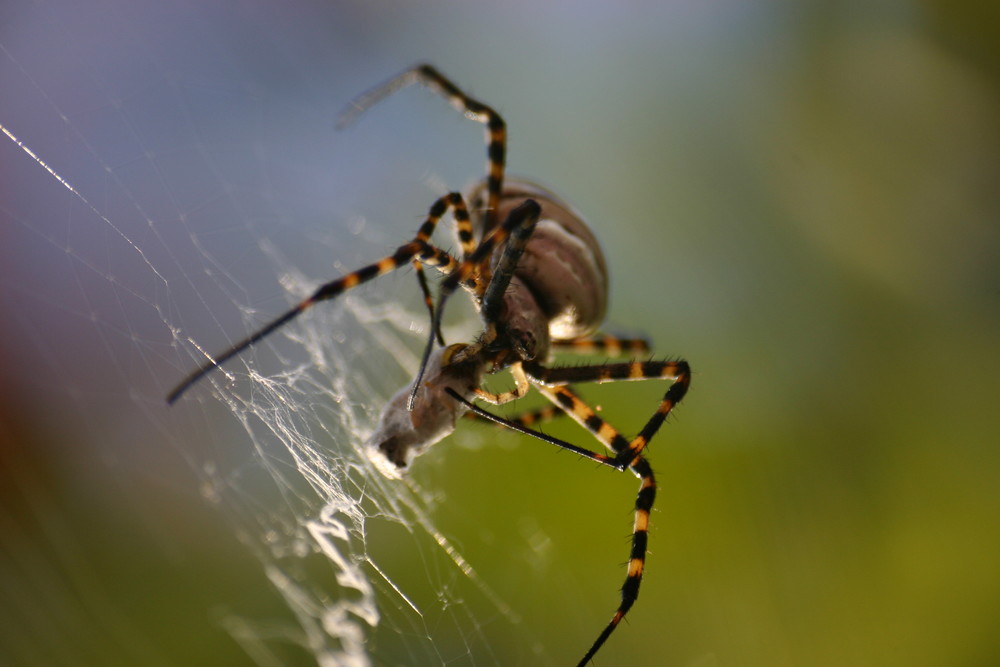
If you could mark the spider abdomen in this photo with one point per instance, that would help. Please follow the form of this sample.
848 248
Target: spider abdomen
562 263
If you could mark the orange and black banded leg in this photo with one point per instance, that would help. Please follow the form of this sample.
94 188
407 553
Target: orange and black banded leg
517 425
417 250
569 403
526 419
603 344
425 289
613 440
460 213
444 263
515 231
678 371
518 226
496 128
637 556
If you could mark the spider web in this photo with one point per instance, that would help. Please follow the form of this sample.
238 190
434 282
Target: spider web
164 184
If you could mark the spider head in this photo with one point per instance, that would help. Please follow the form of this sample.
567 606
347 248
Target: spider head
403 434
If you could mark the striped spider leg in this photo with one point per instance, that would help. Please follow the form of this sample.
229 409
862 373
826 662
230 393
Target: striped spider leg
418 251
614 346
496 128
553 383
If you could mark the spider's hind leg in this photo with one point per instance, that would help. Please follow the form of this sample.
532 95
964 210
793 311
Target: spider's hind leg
606 344
556 378
526 419
576 408
637 556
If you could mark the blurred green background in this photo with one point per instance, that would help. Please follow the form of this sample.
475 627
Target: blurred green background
799 198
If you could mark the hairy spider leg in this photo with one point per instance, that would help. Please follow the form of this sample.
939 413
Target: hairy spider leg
678 371
425 289
460 215
521 223
584 415
525 419
627 452
496 128
586 345
625 455
419 250
609 461
606 343
552 383
518 226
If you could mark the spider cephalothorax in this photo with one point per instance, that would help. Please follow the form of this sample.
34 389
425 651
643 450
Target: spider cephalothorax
537 276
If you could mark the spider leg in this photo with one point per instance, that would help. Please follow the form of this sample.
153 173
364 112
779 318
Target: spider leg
637 556
514 425
518 226
678 371
607 434
459 211
521 224
460 214
526 419
567 401
496 128
463 225
425 289
516 231
419 250
612 345
521 387
608 344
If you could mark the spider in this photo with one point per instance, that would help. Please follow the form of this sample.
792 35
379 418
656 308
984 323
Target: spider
538 278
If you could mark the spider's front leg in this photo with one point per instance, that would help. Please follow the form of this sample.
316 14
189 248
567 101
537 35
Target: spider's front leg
606 344
419 250
496 128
